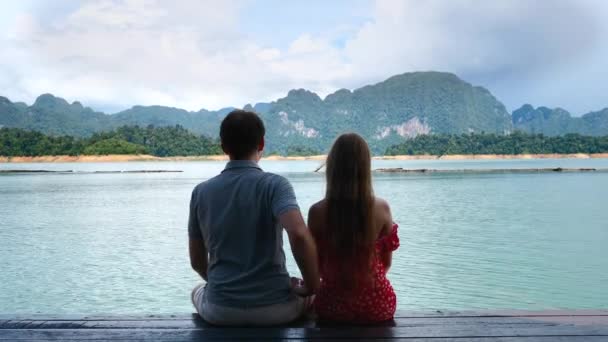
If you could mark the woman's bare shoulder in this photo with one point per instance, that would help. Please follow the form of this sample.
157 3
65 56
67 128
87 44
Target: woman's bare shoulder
381 205
318 207
315 215
382 212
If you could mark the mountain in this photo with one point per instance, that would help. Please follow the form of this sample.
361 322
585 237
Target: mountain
202 122
385 113
403 106
53 115
559 121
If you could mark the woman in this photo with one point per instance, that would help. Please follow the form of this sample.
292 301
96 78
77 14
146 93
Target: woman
356 236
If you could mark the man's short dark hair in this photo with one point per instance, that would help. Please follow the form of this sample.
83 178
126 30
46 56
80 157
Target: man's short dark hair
241 132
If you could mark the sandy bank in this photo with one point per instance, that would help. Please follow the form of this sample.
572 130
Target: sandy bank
79 159
495 156
114 158
145 157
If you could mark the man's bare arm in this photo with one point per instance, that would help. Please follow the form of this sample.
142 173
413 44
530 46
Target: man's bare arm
303 248
199 259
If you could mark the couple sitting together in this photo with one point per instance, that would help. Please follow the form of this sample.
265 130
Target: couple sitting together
236 238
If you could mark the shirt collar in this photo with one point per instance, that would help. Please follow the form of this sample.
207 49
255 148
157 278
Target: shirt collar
240 164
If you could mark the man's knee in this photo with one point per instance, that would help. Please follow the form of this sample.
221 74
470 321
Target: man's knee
194 297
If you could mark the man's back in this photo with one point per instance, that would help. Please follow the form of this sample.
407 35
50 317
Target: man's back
235 229
236 215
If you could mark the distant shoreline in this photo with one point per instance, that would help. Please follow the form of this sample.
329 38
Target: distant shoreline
144 158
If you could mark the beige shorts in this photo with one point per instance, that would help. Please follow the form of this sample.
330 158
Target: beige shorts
265 315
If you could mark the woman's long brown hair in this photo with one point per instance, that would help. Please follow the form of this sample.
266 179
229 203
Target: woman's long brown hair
350 200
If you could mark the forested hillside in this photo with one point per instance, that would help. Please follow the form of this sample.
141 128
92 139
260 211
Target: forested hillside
516 143
401 107
559 121
157 141
386 114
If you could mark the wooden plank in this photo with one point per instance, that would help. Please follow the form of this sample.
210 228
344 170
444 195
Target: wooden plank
199 324
435 331
400 322
495 339
588 325
474 339
50 317
398 314
500 313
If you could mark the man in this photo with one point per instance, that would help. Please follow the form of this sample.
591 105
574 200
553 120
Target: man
236 228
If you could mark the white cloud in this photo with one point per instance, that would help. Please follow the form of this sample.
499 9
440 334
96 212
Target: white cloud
194 54
130 52
112 15
505 45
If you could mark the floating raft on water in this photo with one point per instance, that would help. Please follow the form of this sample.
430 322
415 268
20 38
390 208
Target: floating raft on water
512 170
437 326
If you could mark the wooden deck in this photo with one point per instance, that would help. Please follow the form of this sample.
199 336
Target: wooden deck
507 326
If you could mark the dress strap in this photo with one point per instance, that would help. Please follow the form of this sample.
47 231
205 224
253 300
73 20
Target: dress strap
389 242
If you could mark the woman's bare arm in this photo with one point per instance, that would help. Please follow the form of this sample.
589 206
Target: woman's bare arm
385 218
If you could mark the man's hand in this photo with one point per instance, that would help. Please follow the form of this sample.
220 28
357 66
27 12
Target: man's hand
303 248
299 288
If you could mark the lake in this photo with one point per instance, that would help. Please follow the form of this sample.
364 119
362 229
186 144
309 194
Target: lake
117 243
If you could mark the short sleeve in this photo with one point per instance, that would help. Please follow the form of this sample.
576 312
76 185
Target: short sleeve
194 230
390 242
283 197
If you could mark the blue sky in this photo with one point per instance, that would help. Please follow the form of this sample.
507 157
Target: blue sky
112 54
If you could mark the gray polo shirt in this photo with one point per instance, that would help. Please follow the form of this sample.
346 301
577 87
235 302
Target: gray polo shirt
236 213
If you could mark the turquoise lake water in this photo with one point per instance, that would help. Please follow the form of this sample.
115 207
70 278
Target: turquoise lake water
117 243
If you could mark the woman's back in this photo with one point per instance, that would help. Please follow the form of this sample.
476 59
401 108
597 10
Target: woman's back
355 238
370 296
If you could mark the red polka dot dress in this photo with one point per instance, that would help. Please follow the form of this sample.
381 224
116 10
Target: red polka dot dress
375 302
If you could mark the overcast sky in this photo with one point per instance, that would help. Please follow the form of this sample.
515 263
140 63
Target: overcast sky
210 54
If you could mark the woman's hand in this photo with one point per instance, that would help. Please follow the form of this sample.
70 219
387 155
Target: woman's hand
299 288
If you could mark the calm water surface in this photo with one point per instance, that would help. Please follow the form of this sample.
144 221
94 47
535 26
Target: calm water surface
117 243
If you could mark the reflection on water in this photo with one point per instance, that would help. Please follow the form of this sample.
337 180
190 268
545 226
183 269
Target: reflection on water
116 243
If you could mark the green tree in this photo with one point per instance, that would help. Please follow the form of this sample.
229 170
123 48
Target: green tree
114 146
515 143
